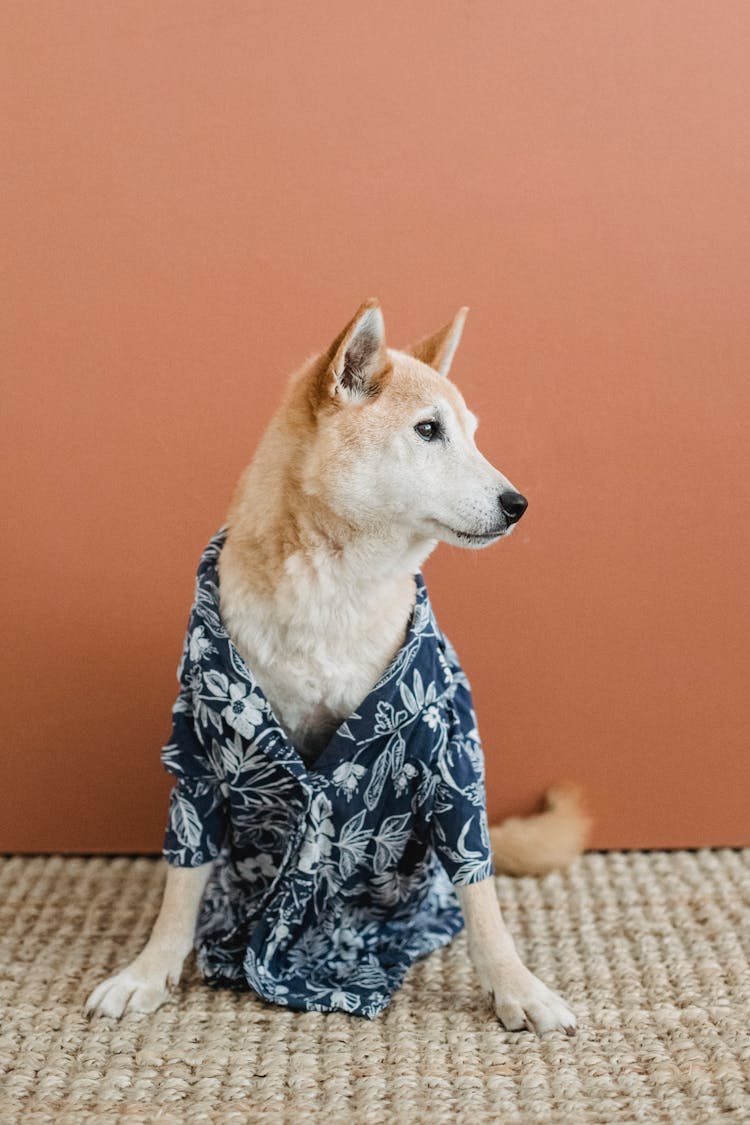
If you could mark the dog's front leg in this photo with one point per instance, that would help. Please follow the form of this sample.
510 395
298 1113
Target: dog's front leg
519 999
144 984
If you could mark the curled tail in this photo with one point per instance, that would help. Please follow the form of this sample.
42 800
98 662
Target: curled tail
534 845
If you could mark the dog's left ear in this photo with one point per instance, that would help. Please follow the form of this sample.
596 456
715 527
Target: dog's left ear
438 350
358 355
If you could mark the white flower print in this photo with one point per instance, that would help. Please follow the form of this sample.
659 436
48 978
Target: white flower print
244 710
346 778
256 867
401 781
199 644
432 717
350 943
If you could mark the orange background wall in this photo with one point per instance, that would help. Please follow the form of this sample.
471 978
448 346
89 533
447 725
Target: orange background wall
197 195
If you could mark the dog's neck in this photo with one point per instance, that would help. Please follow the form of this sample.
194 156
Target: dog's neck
312 572
316 607
323 558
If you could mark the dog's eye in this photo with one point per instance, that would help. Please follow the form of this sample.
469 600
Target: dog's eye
427 430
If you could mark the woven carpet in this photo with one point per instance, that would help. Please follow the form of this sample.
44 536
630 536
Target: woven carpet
650 949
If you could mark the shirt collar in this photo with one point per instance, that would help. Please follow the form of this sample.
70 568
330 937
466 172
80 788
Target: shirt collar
418 668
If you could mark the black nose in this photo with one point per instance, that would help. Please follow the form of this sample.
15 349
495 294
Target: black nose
513 505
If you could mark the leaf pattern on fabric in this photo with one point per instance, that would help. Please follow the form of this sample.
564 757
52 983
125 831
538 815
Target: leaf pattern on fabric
330 880
390 841
186 822
352 842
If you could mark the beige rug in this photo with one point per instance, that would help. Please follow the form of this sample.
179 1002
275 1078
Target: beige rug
651 950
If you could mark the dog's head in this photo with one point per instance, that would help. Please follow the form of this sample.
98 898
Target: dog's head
393 440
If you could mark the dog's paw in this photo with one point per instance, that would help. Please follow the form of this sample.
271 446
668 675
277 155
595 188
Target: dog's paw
523 1003
135 989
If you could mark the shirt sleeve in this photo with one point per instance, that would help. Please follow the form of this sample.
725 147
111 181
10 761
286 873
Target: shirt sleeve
197 822
460 830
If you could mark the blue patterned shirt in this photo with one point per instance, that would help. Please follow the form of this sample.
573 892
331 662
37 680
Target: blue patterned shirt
332 879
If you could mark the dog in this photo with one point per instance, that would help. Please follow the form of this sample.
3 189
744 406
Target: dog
328 820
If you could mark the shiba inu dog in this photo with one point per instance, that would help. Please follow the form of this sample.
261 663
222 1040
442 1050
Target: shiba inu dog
369 463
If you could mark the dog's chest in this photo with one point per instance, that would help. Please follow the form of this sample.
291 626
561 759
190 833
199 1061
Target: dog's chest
316 659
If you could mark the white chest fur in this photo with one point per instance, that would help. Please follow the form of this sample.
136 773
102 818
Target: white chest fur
317 639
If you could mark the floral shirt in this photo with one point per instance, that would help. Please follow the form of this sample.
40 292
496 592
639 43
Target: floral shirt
332 879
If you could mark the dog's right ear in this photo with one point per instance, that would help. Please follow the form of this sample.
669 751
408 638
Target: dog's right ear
438 350
358 356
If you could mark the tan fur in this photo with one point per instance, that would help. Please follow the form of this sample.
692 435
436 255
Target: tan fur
438 349
534 845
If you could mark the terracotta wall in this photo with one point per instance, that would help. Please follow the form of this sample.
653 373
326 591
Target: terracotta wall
198 194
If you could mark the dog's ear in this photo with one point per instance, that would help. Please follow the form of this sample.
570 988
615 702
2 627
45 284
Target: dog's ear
438 350
358 355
